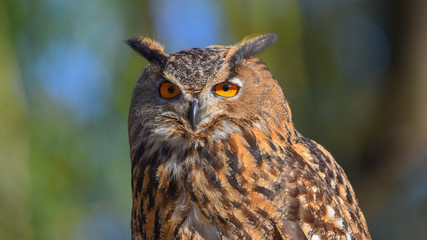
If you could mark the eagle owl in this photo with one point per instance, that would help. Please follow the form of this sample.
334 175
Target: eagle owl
215 155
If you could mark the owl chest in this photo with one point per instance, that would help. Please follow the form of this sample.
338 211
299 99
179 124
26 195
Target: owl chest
208 208
199 221
211 193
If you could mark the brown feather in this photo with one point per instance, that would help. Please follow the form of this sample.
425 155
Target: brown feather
243 171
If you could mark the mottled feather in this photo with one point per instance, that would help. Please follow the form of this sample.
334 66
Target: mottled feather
242 171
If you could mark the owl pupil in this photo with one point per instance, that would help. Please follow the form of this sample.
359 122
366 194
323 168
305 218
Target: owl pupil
225 88
171 89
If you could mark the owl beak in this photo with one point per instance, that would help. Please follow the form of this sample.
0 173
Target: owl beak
194 113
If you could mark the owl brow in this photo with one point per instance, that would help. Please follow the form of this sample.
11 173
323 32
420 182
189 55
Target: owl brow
169 78
230 75
238 82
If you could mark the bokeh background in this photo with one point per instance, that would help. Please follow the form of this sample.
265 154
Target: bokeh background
354 72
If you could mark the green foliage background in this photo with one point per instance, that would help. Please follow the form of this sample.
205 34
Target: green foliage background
353 72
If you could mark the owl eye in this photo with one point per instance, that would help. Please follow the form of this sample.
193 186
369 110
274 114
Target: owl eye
168 90
226 89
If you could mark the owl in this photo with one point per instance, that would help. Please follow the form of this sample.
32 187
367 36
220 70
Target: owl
215 154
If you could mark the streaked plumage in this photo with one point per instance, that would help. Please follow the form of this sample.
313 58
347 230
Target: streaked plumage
206 166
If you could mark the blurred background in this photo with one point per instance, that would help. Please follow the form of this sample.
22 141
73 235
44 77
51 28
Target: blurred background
354 72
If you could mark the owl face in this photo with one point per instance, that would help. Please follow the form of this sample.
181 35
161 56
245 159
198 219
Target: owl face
198 93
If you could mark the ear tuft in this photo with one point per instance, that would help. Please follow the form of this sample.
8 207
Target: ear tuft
149 49
250 47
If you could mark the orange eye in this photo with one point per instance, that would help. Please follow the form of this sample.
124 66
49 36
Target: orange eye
168 90
226 89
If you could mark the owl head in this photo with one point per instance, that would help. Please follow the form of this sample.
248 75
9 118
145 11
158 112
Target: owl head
203 92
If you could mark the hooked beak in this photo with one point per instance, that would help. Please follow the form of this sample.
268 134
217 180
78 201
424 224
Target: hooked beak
194 113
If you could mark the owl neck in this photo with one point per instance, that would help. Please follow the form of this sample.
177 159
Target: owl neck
202 181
